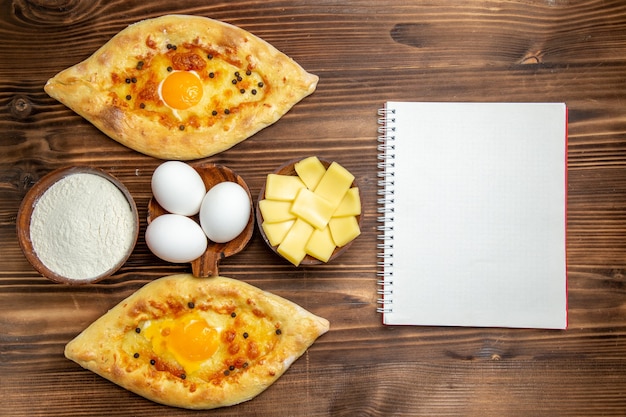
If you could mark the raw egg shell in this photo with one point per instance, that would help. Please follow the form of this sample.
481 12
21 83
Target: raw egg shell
178 188
225 211
175 238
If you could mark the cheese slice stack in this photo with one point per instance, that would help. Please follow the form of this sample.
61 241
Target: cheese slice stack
312 213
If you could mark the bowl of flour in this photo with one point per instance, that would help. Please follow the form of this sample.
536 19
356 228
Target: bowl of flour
77 225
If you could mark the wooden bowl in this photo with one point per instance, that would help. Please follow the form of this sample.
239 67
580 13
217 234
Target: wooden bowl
26 211
207 264
288 168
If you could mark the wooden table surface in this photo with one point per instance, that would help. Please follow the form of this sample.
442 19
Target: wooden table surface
365 52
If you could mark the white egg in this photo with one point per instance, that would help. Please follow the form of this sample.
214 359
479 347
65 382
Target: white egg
178 188
175 238
225 211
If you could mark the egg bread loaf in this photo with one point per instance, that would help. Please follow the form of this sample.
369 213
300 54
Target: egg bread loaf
197 343
182 87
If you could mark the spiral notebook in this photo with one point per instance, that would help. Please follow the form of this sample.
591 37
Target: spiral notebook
472 214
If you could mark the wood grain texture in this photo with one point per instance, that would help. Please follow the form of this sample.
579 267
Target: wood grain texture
365 52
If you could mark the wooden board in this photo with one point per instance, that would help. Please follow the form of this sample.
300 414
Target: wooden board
365 52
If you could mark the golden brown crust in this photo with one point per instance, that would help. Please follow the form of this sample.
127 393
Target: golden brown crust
98 87
260 336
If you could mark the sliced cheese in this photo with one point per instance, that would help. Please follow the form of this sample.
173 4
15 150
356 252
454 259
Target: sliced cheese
310 170
344 229
321 245
276 232
274 211
312 208
282 187
335 183
292 246
350 205
312 213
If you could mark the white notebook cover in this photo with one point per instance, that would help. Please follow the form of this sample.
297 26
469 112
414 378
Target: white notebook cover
473 214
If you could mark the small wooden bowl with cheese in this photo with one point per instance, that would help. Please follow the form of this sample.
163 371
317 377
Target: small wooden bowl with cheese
309 211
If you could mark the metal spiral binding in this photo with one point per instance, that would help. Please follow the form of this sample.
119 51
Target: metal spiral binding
386 182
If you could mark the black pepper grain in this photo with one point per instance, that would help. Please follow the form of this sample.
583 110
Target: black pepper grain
248 72
227 372
214 112
233 314
181 127
242 91
211 75
209 56
278 331
234 81
226 111
183 376
169 69
191 304
142 105
245 365
245 335
139 65
128 81
128 97
260 84
137 330
136 355
253 92
133 80
231 367
152 362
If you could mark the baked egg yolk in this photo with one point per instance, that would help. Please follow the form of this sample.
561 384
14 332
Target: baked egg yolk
189 339
181 90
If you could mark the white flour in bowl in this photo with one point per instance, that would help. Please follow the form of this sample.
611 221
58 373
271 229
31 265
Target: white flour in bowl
82 226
